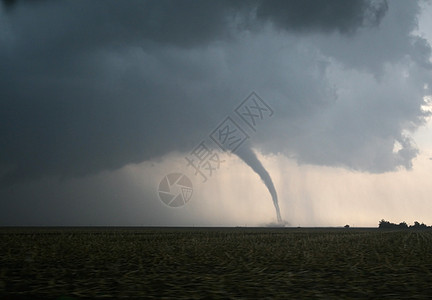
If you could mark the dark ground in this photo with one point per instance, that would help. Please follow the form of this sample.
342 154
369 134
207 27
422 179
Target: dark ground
235 263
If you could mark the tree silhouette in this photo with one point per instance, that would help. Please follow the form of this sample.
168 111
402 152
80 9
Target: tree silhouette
383 224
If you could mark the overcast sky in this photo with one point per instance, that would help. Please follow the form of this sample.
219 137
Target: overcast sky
99 100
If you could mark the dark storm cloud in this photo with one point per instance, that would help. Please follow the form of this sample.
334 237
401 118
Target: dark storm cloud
310 15
91 86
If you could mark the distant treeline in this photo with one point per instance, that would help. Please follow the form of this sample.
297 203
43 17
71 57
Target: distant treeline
387 225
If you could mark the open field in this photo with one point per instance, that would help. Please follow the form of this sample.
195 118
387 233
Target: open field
71 263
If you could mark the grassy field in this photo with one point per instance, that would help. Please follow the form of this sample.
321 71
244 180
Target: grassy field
235 263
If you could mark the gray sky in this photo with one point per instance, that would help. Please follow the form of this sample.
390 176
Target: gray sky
99 100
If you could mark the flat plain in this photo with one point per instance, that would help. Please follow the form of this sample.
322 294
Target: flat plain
217 263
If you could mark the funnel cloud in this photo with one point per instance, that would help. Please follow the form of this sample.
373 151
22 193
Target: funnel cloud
246 154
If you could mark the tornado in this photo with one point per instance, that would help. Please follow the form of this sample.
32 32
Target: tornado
246 154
